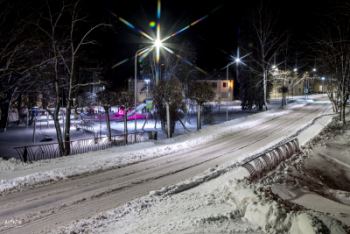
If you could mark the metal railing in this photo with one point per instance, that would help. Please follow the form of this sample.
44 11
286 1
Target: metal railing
49 151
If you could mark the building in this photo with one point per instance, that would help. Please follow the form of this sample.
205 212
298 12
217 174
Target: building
298 83
144 89
224 88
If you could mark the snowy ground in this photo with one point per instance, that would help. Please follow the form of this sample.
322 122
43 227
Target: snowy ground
224 204
232 204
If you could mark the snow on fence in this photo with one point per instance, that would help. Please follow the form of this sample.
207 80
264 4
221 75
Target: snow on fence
265 163
48 151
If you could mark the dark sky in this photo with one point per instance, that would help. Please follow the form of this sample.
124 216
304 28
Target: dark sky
219 29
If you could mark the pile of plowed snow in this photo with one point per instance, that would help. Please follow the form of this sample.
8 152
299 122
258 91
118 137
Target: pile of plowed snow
261 207
318 178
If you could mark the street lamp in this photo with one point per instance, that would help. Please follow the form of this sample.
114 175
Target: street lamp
322 83
157 44
140 51
147 81
237 60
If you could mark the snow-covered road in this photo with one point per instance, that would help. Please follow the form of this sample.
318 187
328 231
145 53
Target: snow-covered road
47 206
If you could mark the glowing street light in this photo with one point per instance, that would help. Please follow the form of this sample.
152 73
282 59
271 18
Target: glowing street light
157 42
322 83
237 61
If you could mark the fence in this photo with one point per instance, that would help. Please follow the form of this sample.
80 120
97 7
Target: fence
48 151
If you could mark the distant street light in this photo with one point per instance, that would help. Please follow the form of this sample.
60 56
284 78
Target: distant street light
227 92
237 60
322 83
147 81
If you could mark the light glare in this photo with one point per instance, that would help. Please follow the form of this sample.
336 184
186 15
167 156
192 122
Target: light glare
158 43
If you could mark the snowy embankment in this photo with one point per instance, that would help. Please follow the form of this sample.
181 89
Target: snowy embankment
16 175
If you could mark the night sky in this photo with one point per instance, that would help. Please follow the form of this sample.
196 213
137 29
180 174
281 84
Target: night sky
218 30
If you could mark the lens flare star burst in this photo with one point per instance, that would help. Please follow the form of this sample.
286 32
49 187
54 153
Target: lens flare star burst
158 42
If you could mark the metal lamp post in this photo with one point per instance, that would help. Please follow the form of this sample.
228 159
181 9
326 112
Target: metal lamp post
227 91
157 44
137 52
322 84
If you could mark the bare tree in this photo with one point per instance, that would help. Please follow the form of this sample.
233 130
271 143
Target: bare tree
267 41
125 101
332 48
169 98
17 56
201 92
66 30
107 99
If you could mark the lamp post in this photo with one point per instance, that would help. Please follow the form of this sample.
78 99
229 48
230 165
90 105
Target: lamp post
137 52
147 82
295 72
227 91
157 44
322 83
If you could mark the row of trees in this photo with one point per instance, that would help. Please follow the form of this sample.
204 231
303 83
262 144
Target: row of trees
332 48
48 48
266 41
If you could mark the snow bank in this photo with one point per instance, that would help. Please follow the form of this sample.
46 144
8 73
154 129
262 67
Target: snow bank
260 206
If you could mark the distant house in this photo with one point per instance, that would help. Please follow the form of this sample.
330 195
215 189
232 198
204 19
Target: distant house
299 83
224 88
144 88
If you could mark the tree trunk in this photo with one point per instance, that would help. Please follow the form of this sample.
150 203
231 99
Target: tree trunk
168 120
108 123
198 116
126 127
265 89
58 133
19 108
67 129
7 115
56 121
343 110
